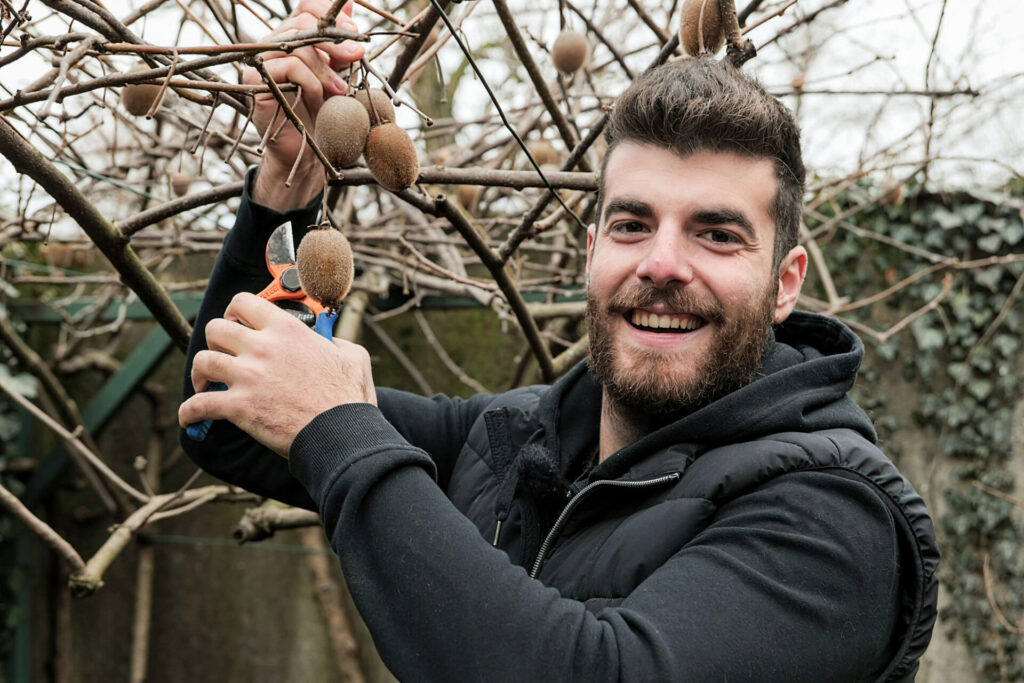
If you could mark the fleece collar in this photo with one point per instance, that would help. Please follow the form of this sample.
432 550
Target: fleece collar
800 387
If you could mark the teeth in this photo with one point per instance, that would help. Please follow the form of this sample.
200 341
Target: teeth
665 321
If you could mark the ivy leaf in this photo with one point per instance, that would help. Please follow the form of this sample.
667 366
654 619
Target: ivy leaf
960 372
928 338
991 243
946 219
956 415
980 389
23 383
1005 344
1013 232
971 212
9 426
988 277
888 350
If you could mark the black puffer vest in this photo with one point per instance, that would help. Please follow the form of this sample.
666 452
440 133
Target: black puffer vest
516 477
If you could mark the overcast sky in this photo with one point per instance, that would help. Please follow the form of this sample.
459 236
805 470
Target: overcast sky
865 45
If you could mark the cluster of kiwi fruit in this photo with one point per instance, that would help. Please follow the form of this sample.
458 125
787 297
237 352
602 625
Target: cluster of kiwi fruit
691 22
364 124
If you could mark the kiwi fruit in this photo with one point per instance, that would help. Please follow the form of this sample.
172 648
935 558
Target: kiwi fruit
324 261
544 153
569 53
893 193
467 196
180 182
341 129
138 98
391 157
690 19
378 105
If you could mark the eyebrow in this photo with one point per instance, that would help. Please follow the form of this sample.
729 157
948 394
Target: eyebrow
726 217
633 206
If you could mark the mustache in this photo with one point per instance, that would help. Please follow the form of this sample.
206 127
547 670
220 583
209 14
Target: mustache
677 300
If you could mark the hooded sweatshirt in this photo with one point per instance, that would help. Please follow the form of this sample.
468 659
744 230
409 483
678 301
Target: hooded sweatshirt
762 538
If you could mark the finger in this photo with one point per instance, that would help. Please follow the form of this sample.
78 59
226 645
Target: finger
211 405
291 69
212 366
317 8
343 54
257 313
227 336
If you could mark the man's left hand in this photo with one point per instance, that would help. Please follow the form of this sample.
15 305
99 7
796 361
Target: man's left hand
280 374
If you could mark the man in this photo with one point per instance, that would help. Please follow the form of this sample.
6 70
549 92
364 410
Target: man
700 501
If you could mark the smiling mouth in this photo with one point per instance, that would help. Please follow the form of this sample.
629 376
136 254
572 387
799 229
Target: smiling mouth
664 322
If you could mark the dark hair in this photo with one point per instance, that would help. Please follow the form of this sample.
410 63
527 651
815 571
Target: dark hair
700 104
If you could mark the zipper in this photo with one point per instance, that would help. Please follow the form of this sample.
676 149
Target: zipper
575 501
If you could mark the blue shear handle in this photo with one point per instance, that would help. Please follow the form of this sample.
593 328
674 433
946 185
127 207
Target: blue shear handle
197 430
324 325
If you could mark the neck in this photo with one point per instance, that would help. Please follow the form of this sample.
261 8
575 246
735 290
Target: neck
621 426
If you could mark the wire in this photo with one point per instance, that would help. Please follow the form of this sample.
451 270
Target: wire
501 113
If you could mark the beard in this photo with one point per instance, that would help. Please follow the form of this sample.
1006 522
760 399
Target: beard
645 385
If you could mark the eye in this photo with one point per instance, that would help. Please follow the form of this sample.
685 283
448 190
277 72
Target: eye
722 237
628 227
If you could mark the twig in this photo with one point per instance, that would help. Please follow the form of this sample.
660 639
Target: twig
42 530
259 523
765 19
947 283
399 355
739 51
572 355
91 579
441 206
380 12
438 348
328 594
999 494
114 245
73 441
638 7
424 23
986 570
592 28
130 226
293 117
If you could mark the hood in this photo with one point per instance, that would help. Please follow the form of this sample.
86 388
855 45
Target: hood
801 386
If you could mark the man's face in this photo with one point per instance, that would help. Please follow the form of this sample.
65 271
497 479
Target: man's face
681 292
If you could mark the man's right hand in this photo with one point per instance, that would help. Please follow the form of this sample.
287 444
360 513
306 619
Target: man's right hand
314 68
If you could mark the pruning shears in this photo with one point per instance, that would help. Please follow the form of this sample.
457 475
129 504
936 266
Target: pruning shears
285 291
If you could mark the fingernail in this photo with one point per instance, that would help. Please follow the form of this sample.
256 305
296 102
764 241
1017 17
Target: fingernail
348 26
339 85
351 49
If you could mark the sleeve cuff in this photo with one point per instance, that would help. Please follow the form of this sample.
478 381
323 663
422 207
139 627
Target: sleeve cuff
337 438
246 243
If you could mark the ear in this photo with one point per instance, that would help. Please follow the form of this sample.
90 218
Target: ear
791 279
591 236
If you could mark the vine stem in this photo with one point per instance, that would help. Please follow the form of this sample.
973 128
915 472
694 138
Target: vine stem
442 207
72 440
114 245
293 117
43 530
739 51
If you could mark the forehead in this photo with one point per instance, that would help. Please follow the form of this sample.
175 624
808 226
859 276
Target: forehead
668 182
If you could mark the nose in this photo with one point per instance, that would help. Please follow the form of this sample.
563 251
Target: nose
667 260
